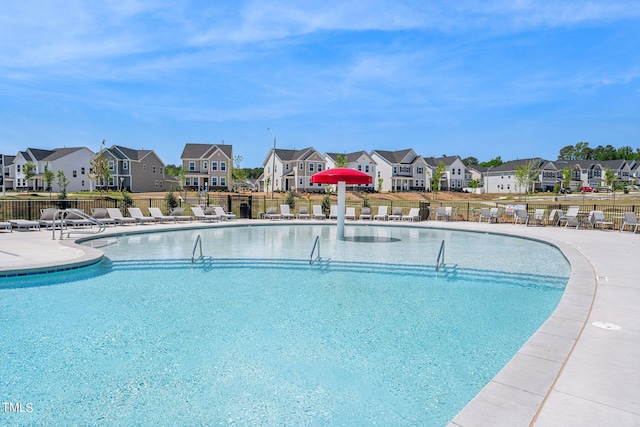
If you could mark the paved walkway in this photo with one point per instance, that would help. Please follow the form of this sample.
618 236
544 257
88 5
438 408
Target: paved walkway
570 373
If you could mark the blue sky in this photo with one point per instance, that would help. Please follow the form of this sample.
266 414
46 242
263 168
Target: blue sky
512 78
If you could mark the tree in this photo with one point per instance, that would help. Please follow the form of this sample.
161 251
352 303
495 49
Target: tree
526 174
238 174
625 152
497 161
291 200
172 170
610 177
567 153
170 201
62 183
29 171
437 174
379 186
99 167
470 161
48 176
341 161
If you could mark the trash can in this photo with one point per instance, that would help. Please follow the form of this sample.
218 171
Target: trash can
244 210
425 210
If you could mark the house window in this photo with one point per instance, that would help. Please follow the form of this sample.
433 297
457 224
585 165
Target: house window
301 181
301 166
310 183
187 181
223 167
395 170
156 183
111 184
214 166
18 168
419 170
223 180
268 169
82 183
125 165
192 166
195 181
366 168
214 181
75 174
111 165
161 184
144 168
459 172
360 168
205 165
319 167
82 171
154 169
310 167
287 166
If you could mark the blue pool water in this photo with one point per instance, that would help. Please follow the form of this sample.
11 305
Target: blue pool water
250 334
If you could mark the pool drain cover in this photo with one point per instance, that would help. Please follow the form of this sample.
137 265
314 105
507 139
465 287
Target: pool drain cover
605 325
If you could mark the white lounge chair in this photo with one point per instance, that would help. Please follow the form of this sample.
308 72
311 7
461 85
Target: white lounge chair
157 214
570 217
102 216
77 218
47 219
333 212
24 224
413 215
350 214
520 215
538 216
272 213
597 218
303 213
495 215
554 216
441 213
285 211
136 214
317 212
227 216
6 225
382 213
365 213
630 220
119 218
396 214
485 213
178 214
199 214
451 213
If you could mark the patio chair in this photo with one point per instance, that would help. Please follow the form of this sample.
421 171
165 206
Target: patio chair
178 214
382 213
77 218
495 215
441 213
538 216
119 218
554 216
303 213
365 213
136 214
317 212
413 215
474 214
46 219
333 212
6 225
485 213
396 214
102 216
199 215
597 218
350 213
24 224
570 217
630 220
227 216
157 214
451 213
286 212
520 215
272 213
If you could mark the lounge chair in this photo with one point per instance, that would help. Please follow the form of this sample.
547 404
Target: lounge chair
495 215
317 212
413 215
520 215
303 213
46 219
597 218
396 214
538 216
272 213
451 213
350 214
178 214
365 213
102 216
119 218
333 212
199 214
630 220
227 216
441 213
554 216
6 225
136 214
485 213
157 214
570 217
474 214
77 218
285 211
382 213
24 224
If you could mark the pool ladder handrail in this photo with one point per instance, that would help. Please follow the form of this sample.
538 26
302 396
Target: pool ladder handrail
440 254
315 244
195 246
62 215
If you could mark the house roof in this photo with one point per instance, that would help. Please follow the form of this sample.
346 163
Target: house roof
435 161
513 164
394 156
197 151
351 157
123 153
288 155
38 153
8 160
61 152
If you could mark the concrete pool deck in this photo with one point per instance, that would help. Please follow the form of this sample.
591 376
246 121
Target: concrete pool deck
569 373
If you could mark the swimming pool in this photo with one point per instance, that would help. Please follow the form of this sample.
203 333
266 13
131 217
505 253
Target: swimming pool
252 335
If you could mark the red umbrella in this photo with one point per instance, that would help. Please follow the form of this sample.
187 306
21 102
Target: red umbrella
341 176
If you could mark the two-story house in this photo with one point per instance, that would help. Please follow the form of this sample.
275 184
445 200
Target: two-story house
207 166
502 179
286 170
401 170
139 171
359 160
454 177
592 173
73 162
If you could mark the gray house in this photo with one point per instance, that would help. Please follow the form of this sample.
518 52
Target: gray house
207 166
139 171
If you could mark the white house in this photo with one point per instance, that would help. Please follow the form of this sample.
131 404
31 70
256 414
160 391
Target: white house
454 177
401 170
286 170
502 179
359 160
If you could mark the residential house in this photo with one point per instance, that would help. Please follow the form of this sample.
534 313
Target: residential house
359 160
74 162
139 171
502 179
635 172
591 173
401 170
455 176
208 166
6 178
286 170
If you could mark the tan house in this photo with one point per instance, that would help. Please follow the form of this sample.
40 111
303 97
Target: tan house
207 166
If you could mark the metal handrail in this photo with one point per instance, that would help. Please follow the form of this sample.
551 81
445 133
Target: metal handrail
316 243
440 254
62 215
193 252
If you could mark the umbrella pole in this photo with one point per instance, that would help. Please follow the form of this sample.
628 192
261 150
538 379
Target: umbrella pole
342 189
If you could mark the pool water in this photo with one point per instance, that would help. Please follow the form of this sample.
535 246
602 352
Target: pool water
251 334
